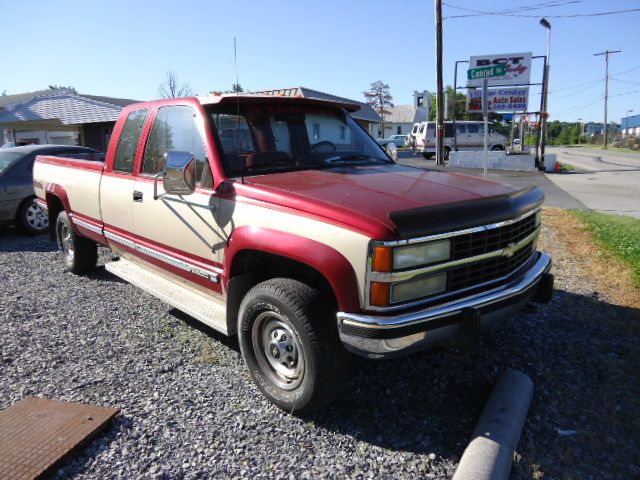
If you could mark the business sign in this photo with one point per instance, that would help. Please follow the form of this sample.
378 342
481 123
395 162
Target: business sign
516 68
504 99
487 72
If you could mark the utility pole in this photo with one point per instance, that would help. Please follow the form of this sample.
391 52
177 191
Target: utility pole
606 89
439 94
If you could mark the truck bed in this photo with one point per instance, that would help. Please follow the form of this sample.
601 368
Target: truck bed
81 180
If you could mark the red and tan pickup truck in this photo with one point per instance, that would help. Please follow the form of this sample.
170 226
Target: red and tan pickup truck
282 221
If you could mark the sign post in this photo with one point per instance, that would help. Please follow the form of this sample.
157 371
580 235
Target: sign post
485 113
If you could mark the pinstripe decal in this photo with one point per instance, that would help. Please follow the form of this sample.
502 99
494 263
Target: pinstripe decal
213 276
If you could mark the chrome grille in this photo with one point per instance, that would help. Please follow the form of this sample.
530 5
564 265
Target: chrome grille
484 271
477 243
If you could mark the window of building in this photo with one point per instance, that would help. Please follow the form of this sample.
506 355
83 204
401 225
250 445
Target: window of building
128 141
174 129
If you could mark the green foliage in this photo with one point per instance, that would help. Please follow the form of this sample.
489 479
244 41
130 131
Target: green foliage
235 88
617 234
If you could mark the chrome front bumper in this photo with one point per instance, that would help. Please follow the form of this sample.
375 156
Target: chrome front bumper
378 336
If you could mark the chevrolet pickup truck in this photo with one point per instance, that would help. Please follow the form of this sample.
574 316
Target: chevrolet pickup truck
281 221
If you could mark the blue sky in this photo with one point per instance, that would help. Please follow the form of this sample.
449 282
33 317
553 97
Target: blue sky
123 48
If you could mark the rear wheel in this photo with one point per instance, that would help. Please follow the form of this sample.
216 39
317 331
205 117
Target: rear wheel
427 156
79 254
497 148
291 346
31 218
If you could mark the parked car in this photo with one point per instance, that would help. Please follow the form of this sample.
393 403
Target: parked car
470 137
17 197
399 140
299 235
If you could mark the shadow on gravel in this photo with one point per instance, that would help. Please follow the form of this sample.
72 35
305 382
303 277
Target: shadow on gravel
229 342
94 448
12 240
100 273
424 403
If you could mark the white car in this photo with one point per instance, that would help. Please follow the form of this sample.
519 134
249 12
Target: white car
470 136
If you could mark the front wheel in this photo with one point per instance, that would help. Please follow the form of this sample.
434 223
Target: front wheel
291 347
79 254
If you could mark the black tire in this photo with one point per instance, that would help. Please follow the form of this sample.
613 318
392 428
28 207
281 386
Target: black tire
30 218
427 156
79 254
316 367
447 151
497 148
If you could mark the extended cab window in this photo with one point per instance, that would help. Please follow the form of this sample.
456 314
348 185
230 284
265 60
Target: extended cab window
174 129
128 141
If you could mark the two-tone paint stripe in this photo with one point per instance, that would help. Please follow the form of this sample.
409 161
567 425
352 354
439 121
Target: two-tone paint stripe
211 275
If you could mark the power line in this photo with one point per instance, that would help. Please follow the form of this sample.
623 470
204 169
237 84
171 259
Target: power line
627 71
625 81
591 85
535 6
582 107
477 13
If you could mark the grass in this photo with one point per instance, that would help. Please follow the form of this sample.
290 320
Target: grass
618 235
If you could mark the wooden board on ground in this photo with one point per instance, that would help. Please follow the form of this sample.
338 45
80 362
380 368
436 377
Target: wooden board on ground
37 435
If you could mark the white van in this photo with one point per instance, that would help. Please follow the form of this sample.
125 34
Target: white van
470 137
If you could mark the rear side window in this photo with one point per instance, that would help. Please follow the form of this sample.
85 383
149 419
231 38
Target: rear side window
128 141
473 128
448 129
175 130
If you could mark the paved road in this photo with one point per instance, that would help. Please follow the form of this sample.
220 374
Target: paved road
604 181
555 196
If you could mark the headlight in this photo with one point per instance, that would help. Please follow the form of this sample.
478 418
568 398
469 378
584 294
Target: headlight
421 287
422 254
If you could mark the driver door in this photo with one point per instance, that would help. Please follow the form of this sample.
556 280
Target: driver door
179 230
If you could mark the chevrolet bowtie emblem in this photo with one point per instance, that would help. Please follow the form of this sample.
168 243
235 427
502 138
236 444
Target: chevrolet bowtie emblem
509 250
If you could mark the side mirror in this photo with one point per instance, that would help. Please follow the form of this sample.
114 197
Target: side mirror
180 173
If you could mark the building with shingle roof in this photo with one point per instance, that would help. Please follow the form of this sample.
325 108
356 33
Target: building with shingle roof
366 116
59 116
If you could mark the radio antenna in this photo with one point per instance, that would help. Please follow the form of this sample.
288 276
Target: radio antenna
237 89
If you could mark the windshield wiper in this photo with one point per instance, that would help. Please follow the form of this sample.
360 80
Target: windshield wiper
356 156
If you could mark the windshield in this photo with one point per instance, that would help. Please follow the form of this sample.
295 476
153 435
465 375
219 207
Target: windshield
269 138
7 159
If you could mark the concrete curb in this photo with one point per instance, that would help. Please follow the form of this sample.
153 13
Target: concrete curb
490 453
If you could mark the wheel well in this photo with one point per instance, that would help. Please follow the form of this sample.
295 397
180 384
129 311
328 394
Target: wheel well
54 205
251 267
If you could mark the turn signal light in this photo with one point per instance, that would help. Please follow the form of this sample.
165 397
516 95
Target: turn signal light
382 259
380 294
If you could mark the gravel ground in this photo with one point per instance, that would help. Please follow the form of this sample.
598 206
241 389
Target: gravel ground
189 409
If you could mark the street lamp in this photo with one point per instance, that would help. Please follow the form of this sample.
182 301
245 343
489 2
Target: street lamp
543 126
579 129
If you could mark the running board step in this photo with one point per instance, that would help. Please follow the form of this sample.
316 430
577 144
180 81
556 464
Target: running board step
208 310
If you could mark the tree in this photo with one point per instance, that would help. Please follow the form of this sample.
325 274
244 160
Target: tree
4 93
171 89
460 106
235 88
380 99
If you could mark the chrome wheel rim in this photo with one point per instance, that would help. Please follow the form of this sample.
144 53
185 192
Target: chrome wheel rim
36 219
67 243
278 350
